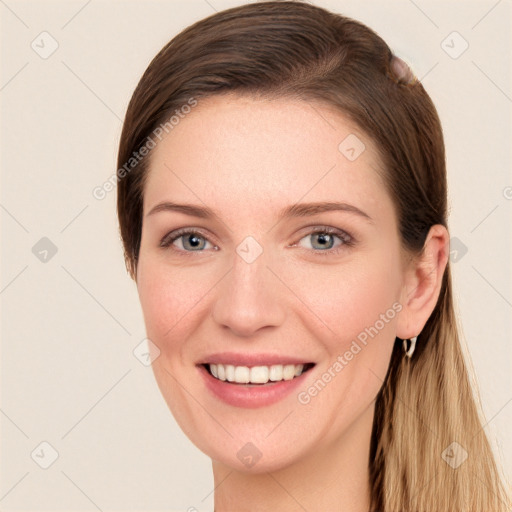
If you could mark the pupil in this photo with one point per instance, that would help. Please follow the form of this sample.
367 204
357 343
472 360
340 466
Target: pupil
195 241
323 238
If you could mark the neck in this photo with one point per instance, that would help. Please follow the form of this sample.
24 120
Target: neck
334 476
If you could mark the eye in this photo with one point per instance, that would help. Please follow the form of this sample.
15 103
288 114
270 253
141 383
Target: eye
324 239
191 240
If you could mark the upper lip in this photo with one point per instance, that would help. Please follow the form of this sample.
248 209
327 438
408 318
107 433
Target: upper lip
238 359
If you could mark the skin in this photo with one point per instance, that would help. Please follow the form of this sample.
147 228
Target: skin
247 159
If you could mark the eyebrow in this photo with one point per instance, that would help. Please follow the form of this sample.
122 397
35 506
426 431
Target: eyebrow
296 210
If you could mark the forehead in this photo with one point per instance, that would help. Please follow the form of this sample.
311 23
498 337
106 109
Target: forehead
240 154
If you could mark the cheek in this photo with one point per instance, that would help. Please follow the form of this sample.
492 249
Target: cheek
359 305
170 299
349 299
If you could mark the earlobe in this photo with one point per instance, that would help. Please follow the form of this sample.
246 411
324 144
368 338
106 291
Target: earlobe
422 284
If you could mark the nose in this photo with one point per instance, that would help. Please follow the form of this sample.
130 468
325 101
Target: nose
249 298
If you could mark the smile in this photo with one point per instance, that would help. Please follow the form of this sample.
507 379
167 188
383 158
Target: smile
256 374
251 383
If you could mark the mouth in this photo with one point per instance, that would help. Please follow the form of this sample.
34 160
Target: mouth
252 380
256 375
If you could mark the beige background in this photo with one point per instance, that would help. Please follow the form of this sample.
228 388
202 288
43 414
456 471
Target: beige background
70 323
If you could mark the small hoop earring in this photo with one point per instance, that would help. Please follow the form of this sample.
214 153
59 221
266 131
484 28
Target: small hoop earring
409 352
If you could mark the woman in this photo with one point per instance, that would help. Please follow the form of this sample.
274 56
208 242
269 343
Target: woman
282 205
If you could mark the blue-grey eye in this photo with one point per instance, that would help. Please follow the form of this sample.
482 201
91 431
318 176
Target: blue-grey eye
192 242
322 240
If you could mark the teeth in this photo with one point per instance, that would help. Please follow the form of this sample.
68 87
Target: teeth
230 372
259 374
256 374
289 372
242 374
276 373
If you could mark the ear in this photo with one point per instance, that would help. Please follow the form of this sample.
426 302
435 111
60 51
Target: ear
423 277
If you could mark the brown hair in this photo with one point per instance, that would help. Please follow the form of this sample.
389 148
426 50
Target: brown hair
291 49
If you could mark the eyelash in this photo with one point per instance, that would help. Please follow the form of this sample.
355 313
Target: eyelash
347 240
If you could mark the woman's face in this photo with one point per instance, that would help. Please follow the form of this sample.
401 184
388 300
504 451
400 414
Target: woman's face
253 290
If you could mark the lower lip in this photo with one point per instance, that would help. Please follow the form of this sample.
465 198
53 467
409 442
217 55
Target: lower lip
250 396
